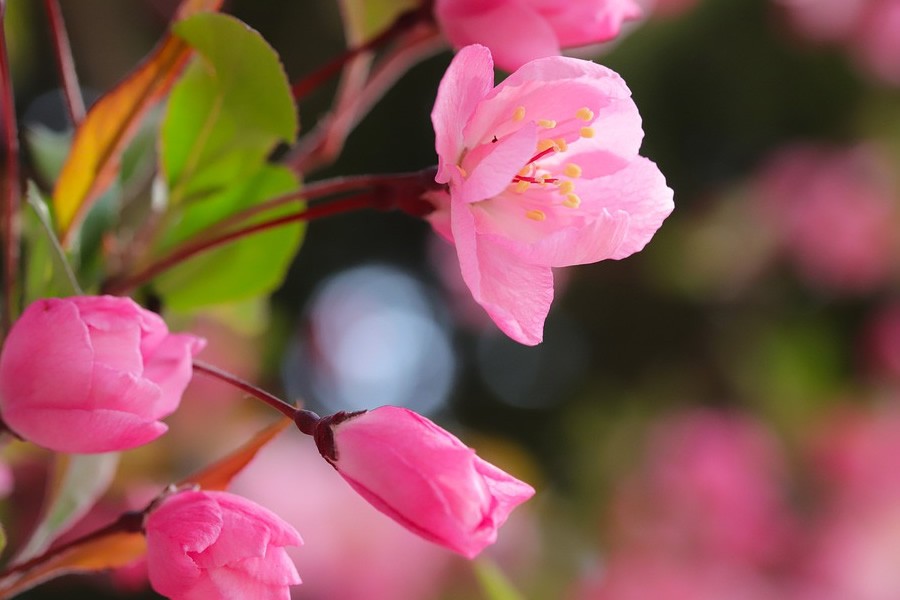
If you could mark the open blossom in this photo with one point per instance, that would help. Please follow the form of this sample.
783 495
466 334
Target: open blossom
422 476
542 171
92 374
518 31
219 546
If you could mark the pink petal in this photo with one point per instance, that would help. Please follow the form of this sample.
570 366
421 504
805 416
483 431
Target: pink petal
468 79
640 191
84 431
125 392
170 368
514 32
516 295
583 23
33 348
493 173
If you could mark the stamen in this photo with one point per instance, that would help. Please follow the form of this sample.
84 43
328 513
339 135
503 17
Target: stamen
561 144
546 123
462 171
536 215
546 144
525 171
566 187
522 186
585 114
572 201
542 154
519 113
572 170
587 132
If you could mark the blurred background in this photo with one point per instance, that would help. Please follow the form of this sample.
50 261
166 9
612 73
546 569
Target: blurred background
714 417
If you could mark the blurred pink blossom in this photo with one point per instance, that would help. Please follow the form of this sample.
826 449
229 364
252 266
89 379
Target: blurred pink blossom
881 343
216 545
543 171
711 489
92 374
854 547
868 29
835 213
340 529
517 31
422 476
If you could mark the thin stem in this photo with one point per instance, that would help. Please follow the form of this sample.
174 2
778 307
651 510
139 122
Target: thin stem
288 410
64 62
312 81
324 143
195 247
11 192
314 191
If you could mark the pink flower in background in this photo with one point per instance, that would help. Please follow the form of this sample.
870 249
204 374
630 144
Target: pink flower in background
543 171
835 213
720 476
216 545
868 29
92 374
517 31
422 476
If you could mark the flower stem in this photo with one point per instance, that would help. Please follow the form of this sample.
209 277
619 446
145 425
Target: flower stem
130 522
405 21
65 63
198 246
11 192
288 410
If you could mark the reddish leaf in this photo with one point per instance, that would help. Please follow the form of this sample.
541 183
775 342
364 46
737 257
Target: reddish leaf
218 475
111 122
107 552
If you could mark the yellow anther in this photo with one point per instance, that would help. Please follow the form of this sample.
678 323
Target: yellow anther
587 132
572 201
521 187
542 180
566 187
546 123
561 144
519 113
546 144
585 114
462 171
525 171
572 170
536 215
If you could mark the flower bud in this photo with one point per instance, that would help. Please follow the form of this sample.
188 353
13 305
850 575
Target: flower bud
92 374
216 545
421 476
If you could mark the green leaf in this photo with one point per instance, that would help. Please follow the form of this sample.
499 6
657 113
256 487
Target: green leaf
47 270
364 19
244 269
228 111
2 538
79 480
493 582
48 150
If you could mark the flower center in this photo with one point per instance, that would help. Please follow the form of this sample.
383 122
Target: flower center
533 174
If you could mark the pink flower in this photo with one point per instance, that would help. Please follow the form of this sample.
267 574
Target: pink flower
421 476
216 545
92 374
518 31
834 210
543 171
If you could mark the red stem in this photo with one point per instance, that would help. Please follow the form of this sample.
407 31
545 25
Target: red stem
288 410
195 247
64 62
405 21
11 192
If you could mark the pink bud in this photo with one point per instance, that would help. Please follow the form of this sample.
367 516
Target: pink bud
92 374
216 545
422 476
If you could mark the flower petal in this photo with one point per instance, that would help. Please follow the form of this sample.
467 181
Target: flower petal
468 79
